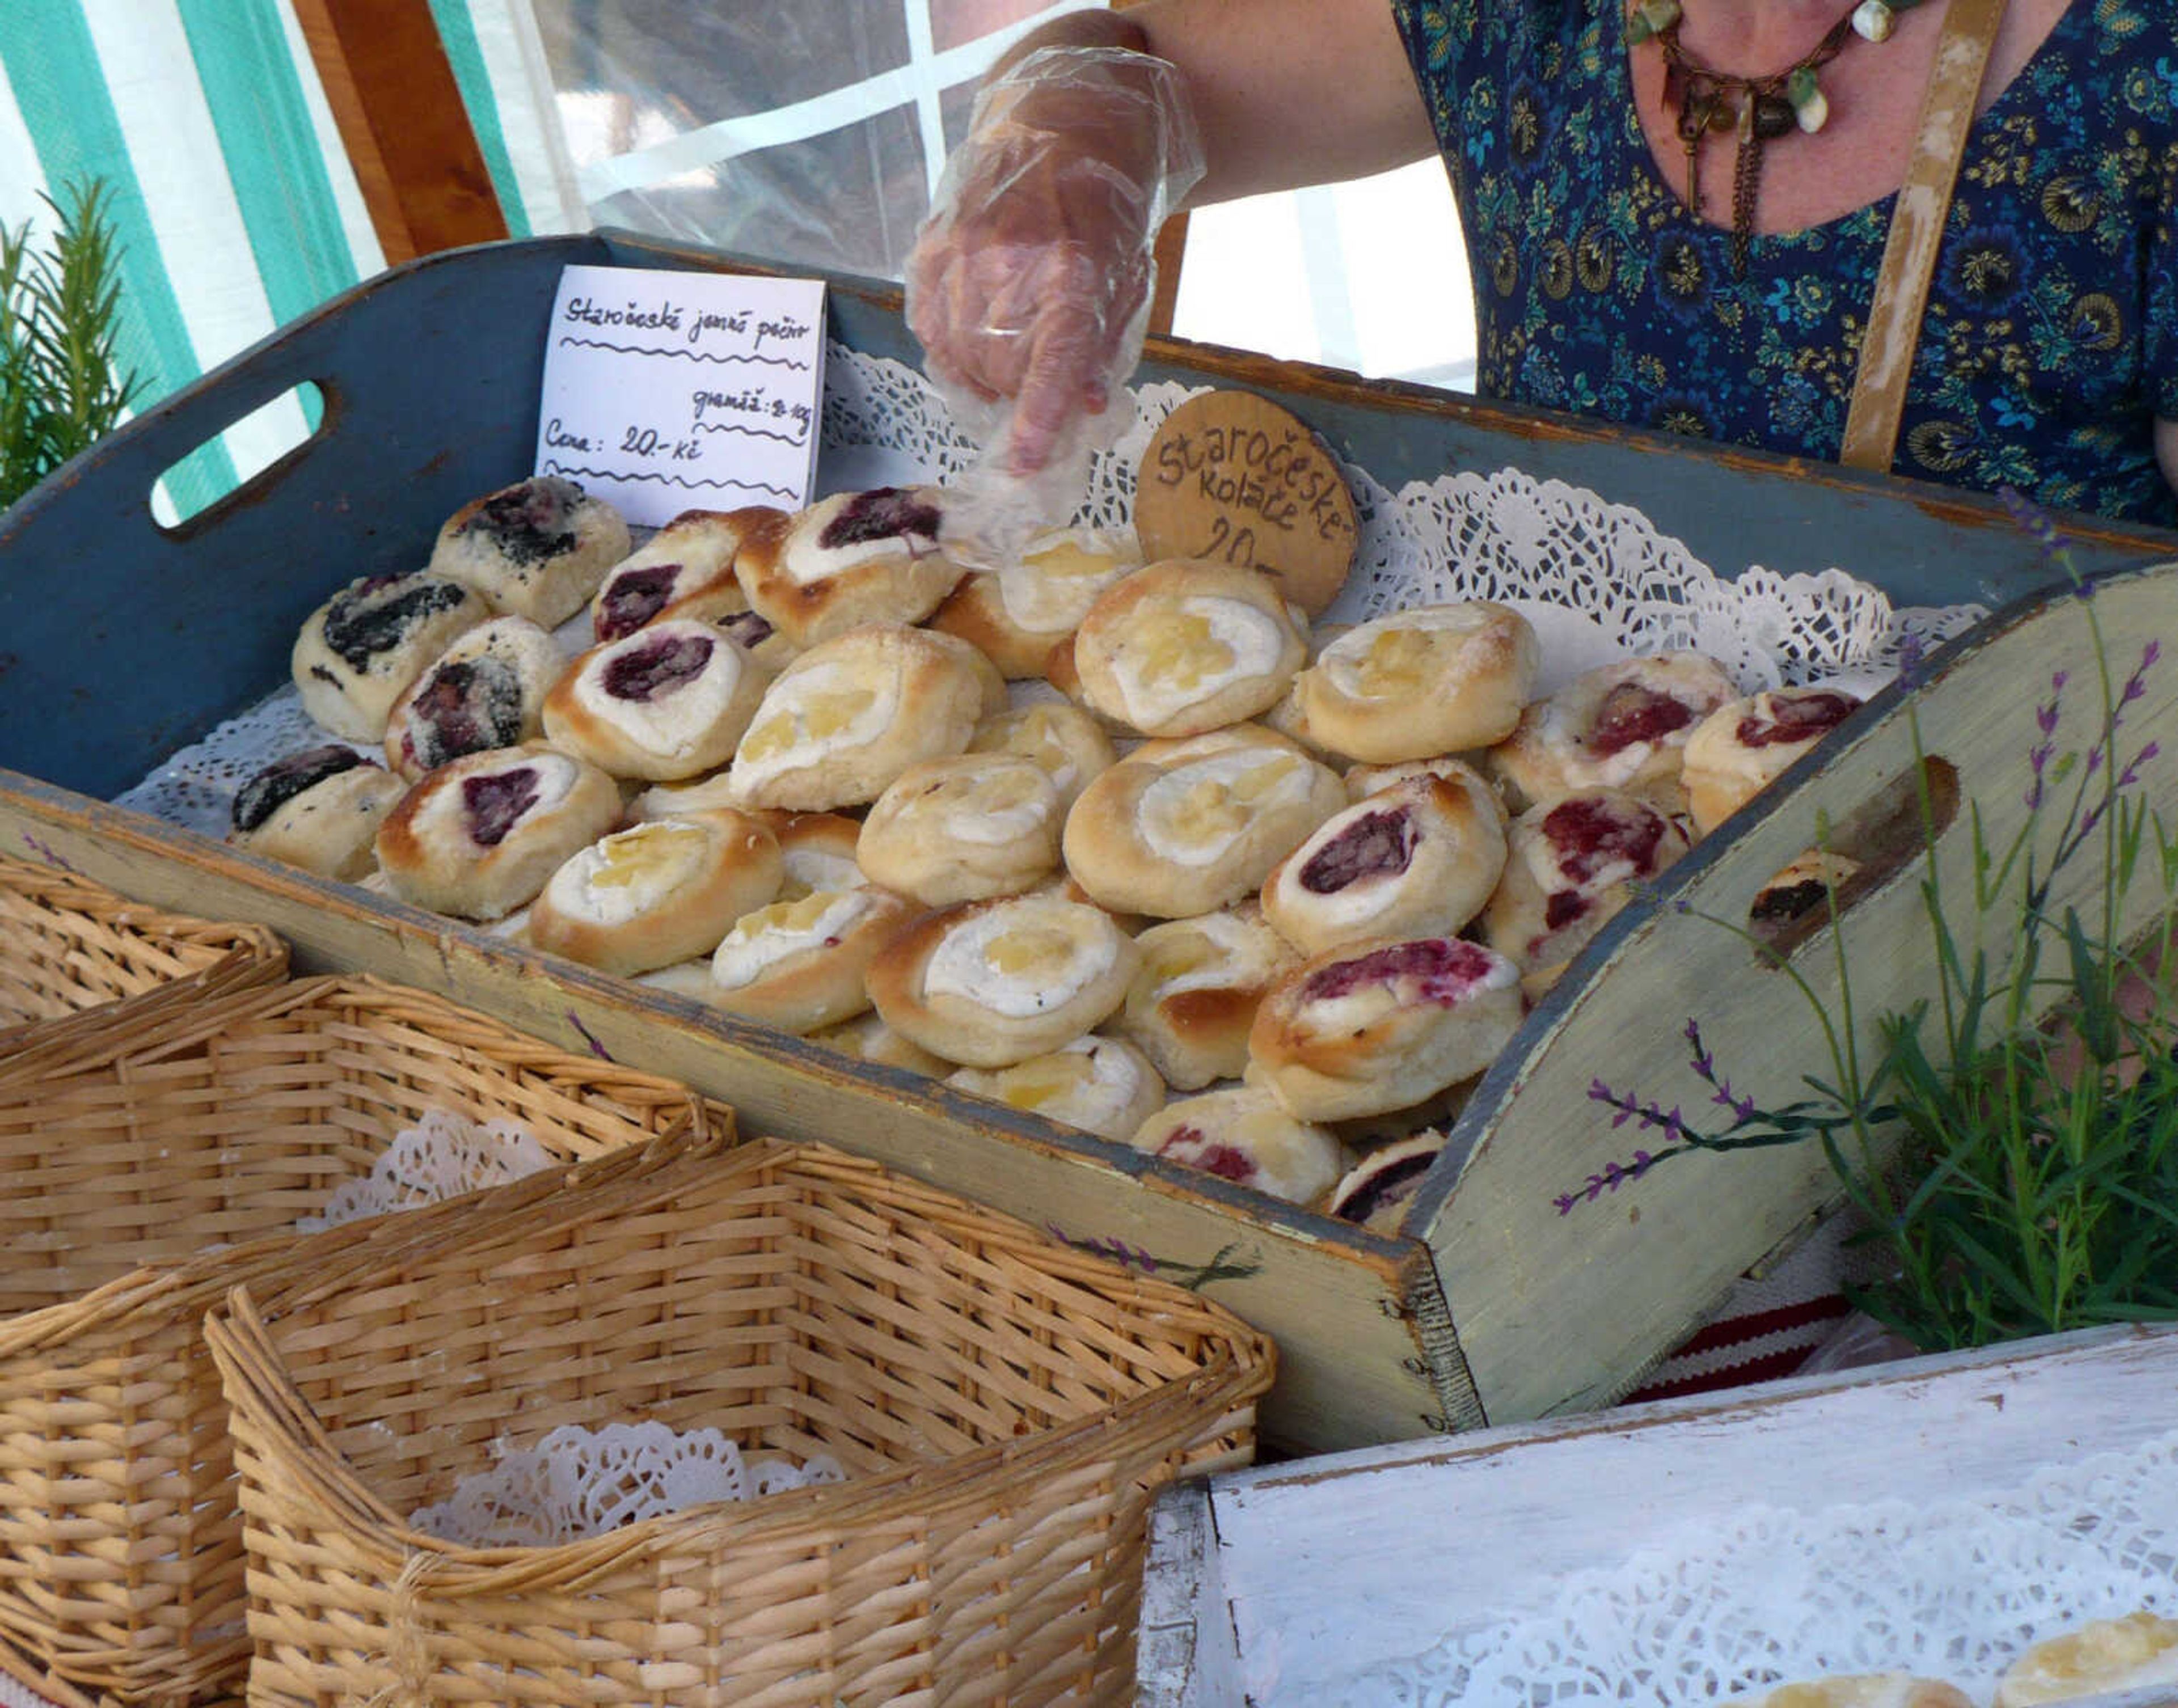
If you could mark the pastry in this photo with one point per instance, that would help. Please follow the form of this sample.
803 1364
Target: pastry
1195 996
962 828
663 891
1858 1690
1102 1085
1745 745
485 690
848 716
987 983
1363 780
1017 613
1801 888
867 1037
1065 740
367 643
2105 1657
479 837
1419 860
535 549
801 965
668 702
1376 1192
1569 865
1241 1134
1438 679
854 558
1623 726
684 569
1181 828
1381 1024
820 849
1185 647
319 809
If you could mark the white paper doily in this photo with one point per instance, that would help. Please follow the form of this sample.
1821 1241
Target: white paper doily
1953 1590
579 1482
1598 579
442 1156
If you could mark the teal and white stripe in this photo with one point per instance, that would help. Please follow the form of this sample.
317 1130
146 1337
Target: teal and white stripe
233 197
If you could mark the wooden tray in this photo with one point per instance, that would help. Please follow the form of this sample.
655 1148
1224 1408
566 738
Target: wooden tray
1489 1309
1280 1585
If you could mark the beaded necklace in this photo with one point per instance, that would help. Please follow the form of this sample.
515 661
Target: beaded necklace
1758 109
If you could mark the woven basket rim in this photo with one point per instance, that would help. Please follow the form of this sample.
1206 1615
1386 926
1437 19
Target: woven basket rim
1236 1368
198 1282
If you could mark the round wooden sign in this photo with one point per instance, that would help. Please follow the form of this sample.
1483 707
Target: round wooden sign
1233 477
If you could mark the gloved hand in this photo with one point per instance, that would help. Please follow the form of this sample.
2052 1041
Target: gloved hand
1030 281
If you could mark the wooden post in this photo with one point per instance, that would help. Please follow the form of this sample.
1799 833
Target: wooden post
393 96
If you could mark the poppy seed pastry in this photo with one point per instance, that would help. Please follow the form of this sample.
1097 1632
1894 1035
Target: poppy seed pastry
851 559
1419 859
1623 725
666 702
1858 1690
684 569
1381 1024
663 891
1241 1134
2103 1658
1195 996
485 690
1745 745
535 549
1569 865
801 965
1376 1192
1101 1085
1435 680
1016 615
478 838
1179 829
987 983
319 809
1063 740
358 651
1184 647
848 716
961 828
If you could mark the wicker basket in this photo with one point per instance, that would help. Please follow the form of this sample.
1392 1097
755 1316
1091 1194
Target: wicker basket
69 947
143 1178
1005 1409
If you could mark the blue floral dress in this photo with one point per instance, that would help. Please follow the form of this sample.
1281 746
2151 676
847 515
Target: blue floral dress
2051 339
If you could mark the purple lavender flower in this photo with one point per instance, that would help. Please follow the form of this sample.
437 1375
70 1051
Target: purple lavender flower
2131 773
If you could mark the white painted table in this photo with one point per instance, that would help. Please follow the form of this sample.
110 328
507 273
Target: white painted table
1280 1583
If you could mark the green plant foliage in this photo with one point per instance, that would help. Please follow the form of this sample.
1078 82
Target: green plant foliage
61 386
2020 1178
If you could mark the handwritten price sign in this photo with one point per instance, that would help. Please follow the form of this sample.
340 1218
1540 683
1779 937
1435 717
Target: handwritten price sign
668 392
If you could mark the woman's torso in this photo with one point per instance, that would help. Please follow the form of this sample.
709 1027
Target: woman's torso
2051 339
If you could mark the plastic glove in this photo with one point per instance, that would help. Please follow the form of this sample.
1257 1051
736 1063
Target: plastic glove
1030 281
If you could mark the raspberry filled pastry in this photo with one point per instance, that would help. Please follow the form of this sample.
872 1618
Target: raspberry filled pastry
479 837
684 569
1569 865
1746 744
667 702
1376 1192
1242 1134
1384 1024
854 558
1623 725
1420 858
